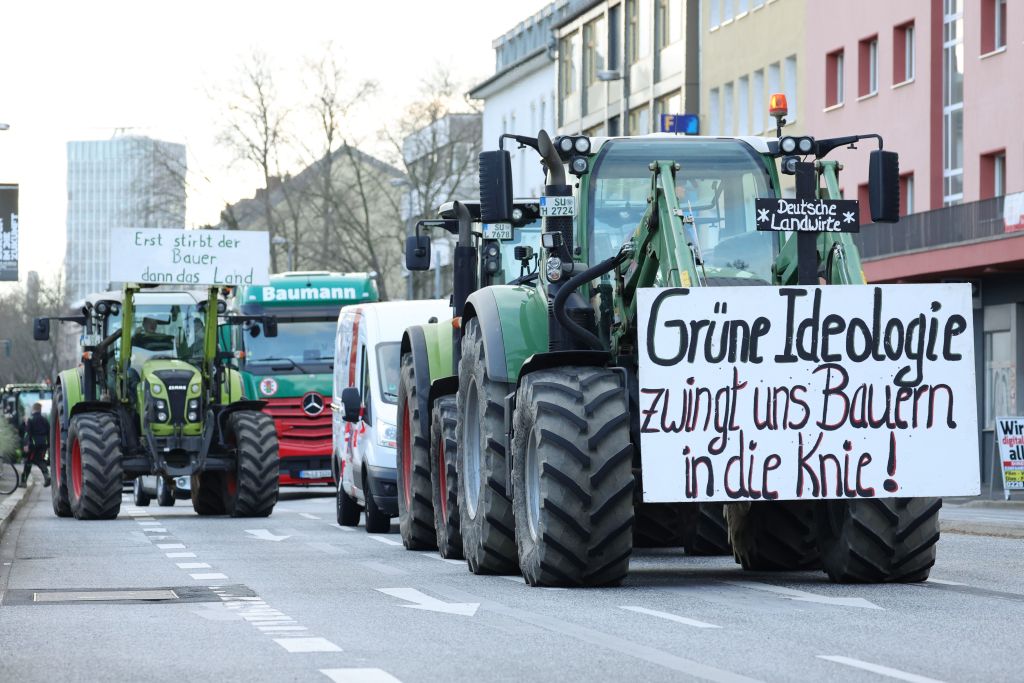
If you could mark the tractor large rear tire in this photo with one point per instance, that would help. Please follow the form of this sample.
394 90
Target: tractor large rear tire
444 477
58 454
207 492
573 480
699 528
878 540
251 490
415 506
773 535
94 466
485 508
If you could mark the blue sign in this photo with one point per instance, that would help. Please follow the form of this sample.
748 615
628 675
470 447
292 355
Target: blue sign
687 124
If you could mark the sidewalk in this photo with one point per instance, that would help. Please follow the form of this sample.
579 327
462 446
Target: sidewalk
9 505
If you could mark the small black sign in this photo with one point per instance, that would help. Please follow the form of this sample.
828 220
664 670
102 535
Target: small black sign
9 233
808 215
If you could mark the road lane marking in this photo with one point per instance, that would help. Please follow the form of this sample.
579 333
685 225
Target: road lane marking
434 556
425 602
149 522
328 548
171 546
211 576
385 541
670 617
385 569
307 515
154 530
274 628
307 645
359 676
193 565
174 555
805 596
265 535
879 669
345 528
942 582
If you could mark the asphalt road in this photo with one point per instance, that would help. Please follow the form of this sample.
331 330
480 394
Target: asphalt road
295 597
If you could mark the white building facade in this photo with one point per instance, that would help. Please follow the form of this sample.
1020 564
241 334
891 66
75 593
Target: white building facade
132 181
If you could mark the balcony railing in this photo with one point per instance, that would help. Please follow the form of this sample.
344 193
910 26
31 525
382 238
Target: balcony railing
930 229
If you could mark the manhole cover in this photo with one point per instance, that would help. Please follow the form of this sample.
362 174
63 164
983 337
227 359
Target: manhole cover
161 595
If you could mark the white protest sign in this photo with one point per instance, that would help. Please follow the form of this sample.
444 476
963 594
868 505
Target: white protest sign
1010 451
189 257
803 393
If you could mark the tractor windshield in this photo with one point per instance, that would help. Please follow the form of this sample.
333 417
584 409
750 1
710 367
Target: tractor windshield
525 236
716 185
167 331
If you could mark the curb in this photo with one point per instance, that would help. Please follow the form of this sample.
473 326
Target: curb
14 502
957 526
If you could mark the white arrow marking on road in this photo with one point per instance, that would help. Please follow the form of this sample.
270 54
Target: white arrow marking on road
804 596
423 601
670 617
879 669
385 541
265 535
359 676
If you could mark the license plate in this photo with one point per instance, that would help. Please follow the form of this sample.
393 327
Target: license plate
314 474
497 231
557 206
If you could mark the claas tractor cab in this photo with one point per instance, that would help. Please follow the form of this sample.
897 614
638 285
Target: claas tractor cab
152 396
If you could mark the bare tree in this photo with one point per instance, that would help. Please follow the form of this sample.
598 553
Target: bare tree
22 359
255 130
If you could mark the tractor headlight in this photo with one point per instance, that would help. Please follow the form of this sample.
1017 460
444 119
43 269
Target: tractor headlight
156 388
161 406
194 389
193 416
387 435
578 165
565 144
554 269
582 144
161 417
193 404
787 144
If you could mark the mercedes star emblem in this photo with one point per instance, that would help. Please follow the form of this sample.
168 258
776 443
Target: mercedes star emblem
312 404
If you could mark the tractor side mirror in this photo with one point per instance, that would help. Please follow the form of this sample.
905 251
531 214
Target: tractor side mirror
417 252
495 186
351 402
884 186
270 327
41 329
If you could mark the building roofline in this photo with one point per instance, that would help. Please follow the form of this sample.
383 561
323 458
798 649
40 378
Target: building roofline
576 14
477 92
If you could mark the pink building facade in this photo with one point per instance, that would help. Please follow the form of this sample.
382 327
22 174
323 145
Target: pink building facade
942 81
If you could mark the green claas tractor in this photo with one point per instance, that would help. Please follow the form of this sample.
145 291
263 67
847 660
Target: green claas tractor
152 396
547 417
485 254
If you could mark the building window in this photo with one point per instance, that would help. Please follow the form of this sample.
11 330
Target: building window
1000 365
864 201
834 79
903 62
727 119
868 67
668 104
993 25
639 121
774 86
993 174
758 100
567 65
638 38
715 13
593 50
714 112
906 194
614 42
789 87
952 103
743 106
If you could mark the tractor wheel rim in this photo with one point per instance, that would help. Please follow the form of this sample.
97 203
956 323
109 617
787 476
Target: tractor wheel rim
76 467
406 457
442 479
471 449
532 466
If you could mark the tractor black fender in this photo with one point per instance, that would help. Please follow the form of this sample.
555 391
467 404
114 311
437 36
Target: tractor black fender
414 341
224 411
91 407
446 386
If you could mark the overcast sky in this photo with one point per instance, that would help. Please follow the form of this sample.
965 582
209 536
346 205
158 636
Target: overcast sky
80 70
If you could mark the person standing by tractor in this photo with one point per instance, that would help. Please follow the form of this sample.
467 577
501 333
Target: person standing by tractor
37 441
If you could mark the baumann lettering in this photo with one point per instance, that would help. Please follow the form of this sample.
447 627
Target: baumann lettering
309 294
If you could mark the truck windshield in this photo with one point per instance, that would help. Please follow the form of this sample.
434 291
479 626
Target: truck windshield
388 368
167 331
716 185
300 347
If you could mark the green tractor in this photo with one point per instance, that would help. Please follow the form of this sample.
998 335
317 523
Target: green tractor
547 417
152 396
486 254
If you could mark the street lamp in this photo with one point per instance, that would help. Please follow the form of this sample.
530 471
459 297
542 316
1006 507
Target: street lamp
281 241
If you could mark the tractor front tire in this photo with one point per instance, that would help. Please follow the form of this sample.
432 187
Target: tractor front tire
698 528
139 497
776 535
486 519
58 454
415 506
95 468
207 492
878 540
251 490
164 493
573 479
444 477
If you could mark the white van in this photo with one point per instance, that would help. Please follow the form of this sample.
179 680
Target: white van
366 357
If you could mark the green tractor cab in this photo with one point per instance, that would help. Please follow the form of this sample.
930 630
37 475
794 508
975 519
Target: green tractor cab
152 397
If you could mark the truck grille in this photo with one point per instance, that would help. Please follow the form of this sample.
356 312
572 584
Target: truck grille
297 432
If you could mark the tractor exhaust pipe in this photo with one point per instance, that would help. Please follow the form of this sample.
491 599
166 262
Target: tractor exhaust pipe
553 162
